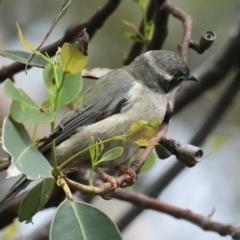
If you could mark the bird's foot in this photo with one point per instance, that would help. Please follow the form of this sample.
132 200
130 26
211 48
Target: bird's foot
115 183
127 170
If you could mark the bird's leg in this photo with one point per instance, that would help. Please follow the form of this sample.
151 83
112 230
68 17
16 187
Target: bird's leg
107 178
123 169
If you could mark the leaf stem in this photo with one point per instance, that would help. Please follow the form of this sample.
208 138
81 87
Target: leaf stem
69 160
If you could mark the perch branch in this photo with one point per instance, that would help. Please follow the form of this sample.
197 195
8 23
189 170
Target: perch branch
187 27
203 222
212 119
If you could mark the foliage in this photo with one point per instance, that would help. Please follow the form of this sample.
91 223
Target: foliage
63 82
148 26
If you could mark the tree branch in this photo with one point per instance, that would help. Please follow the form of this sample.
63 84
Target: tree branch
203 222
212 119
212 72
92 25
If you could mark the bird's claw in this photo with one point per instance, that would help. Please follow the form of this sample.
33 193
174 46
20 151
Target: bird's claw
115 183
127 170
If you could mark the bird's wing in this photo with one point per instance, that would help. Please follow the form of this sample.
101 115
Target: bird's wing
108 96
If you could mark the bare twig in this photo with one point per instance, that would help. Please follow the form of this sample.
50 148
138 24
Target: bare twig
60 14
212 72
215 114
187 27
203 222
205 42
186 153
92 25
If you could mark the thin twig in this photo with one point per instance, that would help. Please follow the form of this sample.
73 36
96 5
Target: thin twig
212 72
92 25
60 14
215 114
203 222
187 27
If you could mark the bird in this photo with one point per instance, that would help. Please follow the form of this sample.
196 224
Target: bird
140 90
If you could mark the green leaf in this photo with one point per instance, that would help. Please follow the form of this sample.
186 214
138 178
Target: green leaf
23 108
23 57
25 156
149 162
49 81
36 199
91 148
23 40
81 221
70 89
72 59
111 154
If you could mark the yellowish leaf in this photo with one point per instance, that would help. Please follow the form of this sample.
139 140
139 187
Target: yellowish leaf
23 40
72 59
145 143
143 129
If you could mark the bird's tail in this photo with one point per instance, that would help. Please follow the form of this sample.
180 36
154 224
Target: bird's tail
16 188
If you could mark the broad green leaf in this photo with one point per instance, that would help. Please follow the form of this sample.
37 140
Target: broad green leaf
23 113
111 154
25 156
149 162
81 221
23 57
23 40
145 143
70 89
49 81
36 199
23 108
72 59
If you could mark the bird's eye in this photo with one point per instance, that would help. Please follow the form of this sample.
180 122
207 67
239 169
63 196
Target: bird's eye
180 79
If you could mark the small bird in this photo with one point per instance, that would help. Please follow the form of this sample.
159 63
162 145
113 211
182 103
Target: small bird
139 91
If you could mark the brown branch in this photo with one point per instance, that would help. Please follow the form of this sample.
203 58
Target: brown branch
92 25
185 153
160 29
187 27
215 114
203 222
212 72
205 42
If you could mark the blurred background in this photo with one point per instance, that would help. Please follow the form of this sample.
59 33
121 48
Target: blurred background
213 183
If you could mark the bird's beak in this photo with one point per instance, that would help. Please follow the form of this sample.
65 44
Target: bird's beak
191 78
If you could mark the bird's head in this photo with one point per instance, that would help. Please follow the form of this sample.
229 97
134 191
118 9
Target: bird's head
164 70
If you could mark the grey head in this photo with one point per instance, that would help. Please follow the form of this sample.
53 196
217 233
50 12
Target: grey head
161 70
